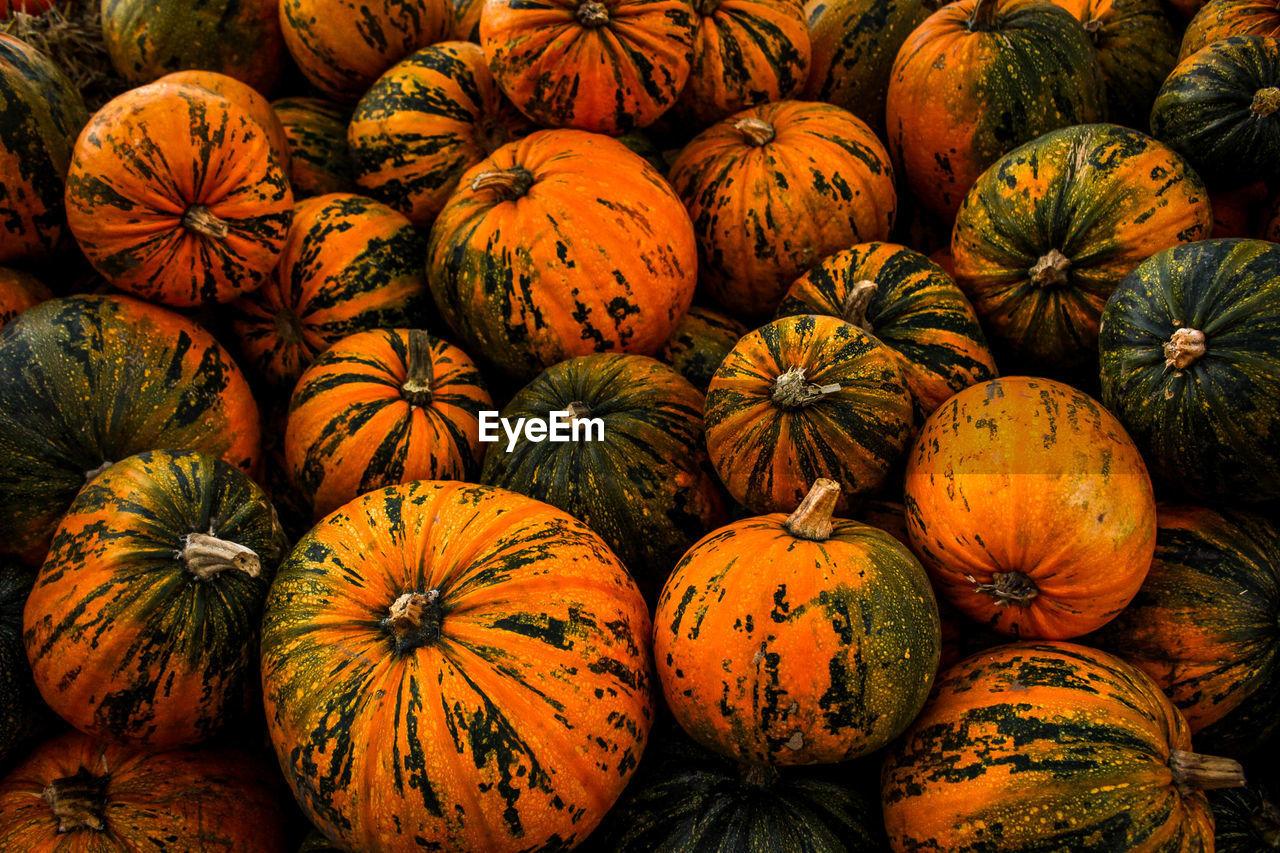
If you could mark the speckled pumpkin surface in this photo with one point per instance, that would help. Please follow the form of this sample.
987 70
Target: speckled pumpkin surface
701 340
319 160
1220 19
247 98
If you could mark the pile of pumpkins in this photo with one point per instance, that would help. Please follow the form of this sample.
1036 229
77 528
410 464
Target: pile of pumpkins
936 351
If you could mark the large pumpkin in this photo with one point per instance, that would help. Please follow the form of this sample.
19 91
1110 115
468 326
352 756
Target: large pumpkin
701 340
607 66
426 121
40 114
174 195
22 714
636 471
1030 507
248 99
773 190
319 160
1049 746
979 78
88 380
538 258
18 292
149 38
379 408
802 398
1220 19
77 793
349 264
796 639
476 658
907 303
1190 351
1048 231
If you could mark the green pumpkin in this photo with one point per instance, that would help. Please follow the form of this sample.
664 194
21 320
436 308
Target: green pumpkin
702 339
1245 820
1190 353
22 714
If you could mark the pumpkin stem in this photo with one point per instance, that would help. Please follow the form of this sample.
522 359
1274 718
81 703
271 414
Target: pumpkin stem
1093 27
856 303
757 131
417 385
812 519
414 619
1266 101
1184 348
1009 588
791 391
593 14
759 775
205 555
1195 772
79 801
509 184
984 15
90 476
1050 270
578 410
201 220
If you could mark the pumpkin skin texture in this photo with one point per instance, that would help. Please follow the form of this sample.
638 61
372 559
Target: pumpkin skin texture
1029 492
1204 626
1190 354
644 485
426 121
1245 820
1021 69
531 265
912 308
319 160
21 711
342 61
18 292
109 797
248 99
1221 19
383 407
701 340
1218 107
349 264
1027 728
174 195
606 66
466 20
142 625
86 380
796 639
1049 231
776 188
769 449
534 656
40 114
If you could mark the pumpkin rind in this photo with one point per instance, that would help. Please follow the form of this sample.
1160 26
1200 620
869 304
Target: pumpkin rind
516 724
319 160
247 98
1220 19
18 292
466 20
22 714
701 340
1245 820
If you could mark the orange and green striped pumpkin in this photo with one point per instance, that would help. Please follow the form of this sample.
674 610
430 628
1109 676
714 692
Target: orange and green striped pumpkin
466 20
379 408
1221 19
22 714
319 159
476 658
701 340
1049 746
245 97
18 292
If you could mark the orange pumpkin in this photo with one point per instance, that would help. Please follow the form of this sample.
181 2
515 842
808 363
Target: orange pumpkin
316 132
247 98
18 292
1220 19
1030 507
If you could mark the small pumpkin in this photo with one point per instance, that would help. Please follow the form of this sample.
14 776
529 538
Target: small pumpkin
979 78
22 714
1018 735
1048 232
18 292
316 133
701 340
773 190
532 261
88 380
174 195
1245 820
606 66
379 408
909 305
1221 19
431 117
1030 507
477 658
349 264
1190 354
248 99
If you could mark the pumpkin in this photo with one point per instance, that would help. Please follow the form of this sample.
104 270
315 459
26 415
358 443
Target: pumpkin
425 122
1221 19
978 79
802 398
1239 212
477 658
341 58
77 793
796 639
18 292
40 114
1190 354
349 264
854 43
1048 232
245 97
240 38
88 380
22 714
383 407
533 261
1049 746
466 20
909 305
1218 107
316 132
1245 820
607 66
174 195
773 190
1030 507
701 340
635 469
